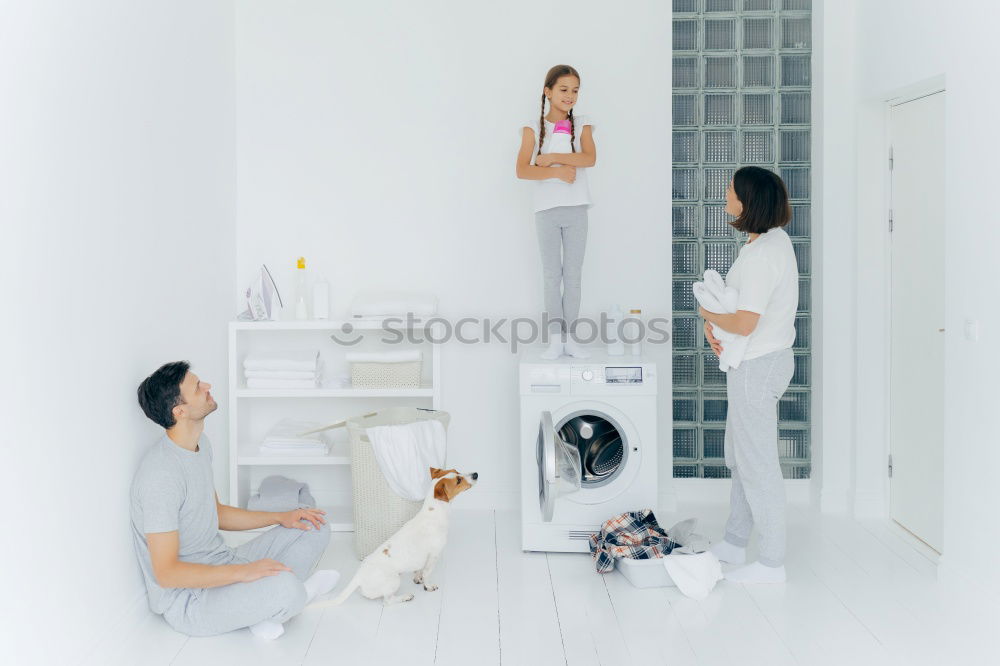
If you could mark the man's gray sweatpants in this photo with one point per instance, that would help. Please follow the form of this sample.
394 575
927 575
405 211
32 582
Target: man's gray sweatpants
562 241
758 492
216 610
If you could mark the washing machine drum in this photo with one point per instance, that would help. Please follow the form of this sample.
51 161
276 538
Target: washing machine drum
600 443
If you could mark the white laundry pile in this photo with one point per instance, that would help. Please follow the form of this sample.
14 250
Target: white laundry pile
286 439
715 296
283 370
405 454
692 567
695 574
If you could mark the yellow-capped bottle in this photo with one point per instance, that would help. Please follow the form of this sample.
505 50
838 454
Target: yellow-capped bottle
301 298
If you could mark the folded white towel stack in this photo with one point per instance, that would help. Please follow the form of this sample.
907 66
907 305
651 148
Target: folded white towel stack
283 370
286 439
715 296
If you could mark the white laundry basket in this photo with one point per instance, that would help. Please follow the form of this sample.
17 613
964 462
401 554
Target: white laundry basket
378 511
395 374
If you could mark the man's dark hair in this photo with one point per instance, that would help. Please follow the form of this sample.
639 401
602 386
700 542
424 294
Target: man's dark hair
161 392
764 199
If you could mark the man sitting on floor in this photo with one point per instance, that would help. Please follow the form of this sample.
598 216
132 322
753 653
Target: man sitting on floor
200 585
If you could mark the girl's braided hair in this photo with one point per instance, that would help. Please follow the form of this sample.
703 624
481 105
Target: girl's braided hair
550 81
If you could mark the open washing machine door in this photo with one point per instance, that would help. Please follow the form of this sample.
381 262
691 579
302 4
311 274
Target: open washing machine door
559 466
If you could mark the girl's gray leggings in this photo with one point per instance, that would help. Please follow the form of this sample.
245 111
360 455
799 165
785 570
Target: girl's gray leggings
562 240
215 610
758 492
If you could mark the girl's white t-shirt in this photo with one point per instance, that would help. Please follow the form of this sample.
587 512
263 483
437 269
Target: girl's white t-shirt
553 192
767 277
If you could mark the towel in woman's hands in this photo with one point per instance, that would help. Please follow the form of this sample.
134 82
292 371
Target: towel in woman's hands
715 296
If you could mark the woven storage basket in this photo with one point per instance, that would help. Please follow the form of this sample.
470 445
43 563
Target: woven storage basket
378 511
386 375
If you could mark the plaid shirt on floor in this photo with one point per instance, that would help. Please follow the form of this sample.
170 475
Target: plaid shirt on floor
635 534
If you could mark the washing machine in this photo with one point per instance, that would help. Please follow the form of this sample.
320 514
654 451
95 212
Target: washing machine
604 407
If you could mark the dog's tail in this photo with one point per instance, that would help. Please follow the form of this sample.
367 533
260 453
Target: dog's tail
342 597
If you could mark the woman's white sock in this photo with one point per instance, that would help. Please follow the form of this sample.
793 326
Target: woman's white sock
320 583
267 629
728 553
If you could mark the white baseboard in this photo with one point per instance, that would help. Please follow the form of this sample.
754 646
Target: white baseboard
915 543
129 620
869 504
834 500
667 502
717 490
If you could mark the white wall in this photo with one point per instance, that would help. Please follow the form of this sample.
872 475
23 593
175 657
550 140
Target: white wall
901 44
378 139
834 281
118 216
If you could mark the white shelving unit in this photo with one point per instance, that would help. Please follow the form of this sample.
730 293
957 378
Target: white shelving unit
253 411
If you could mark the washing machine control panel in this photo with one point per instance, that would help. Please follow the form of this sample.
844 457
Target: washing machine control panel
606 378
610 377
623 375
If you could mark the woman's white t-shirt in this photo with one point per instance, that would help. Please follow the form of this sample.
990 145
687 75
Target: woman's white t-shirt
767 277
553 192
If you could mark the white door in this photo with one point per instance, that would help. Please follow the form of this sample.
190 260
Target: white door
916 377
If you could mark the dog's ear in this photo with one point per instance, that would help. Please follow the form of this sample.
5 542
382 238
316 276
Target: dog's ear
441 492
437 473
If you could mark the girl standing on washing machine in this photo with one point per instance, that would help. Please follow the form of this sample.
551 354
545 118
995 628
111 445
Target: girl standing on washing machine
562 145
766 275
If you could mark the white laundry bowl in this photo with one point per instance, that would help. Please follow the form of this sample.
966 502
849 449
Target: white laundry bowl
645 573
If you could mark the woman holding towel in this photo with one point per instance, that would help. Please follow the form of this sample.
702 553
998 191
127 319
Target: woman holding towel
767 278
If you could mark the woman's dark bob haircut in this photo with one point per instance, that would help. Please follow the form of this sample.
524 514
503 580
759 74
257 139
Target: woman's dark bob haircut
764 199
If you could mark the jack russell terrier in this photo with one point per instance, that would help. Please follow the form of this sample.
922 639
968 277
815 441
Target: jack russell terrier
415 547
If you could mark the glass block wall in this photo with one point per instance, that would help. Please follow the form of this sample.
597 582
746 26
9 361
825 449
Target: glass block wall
741 96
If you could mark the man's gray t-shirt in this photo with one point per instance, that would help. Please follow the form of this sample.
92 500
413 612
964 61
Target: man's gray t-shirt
173 490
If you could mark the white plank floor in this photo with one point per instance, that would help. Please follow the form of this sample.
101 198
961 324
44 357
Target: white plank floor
857 594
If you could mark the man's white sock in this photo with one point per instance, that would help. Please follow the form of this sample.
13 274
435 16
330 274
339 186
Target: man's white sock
320 583
267 629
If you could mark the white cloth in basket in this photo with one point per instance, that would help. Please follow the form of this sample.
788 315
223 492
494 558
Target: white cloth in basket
405 454
402 356
695 574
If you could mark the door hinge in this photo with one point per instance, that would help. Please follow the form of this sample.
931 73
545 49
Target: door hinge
890 465
890 158
890 219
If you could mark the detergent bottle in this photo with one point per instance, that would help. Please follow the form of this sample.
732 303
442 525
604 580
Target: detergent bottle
560 141
301 302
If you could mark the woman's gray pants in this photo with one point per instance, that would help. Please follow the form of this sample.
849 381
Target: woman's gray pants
562 240
758 492
215 610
